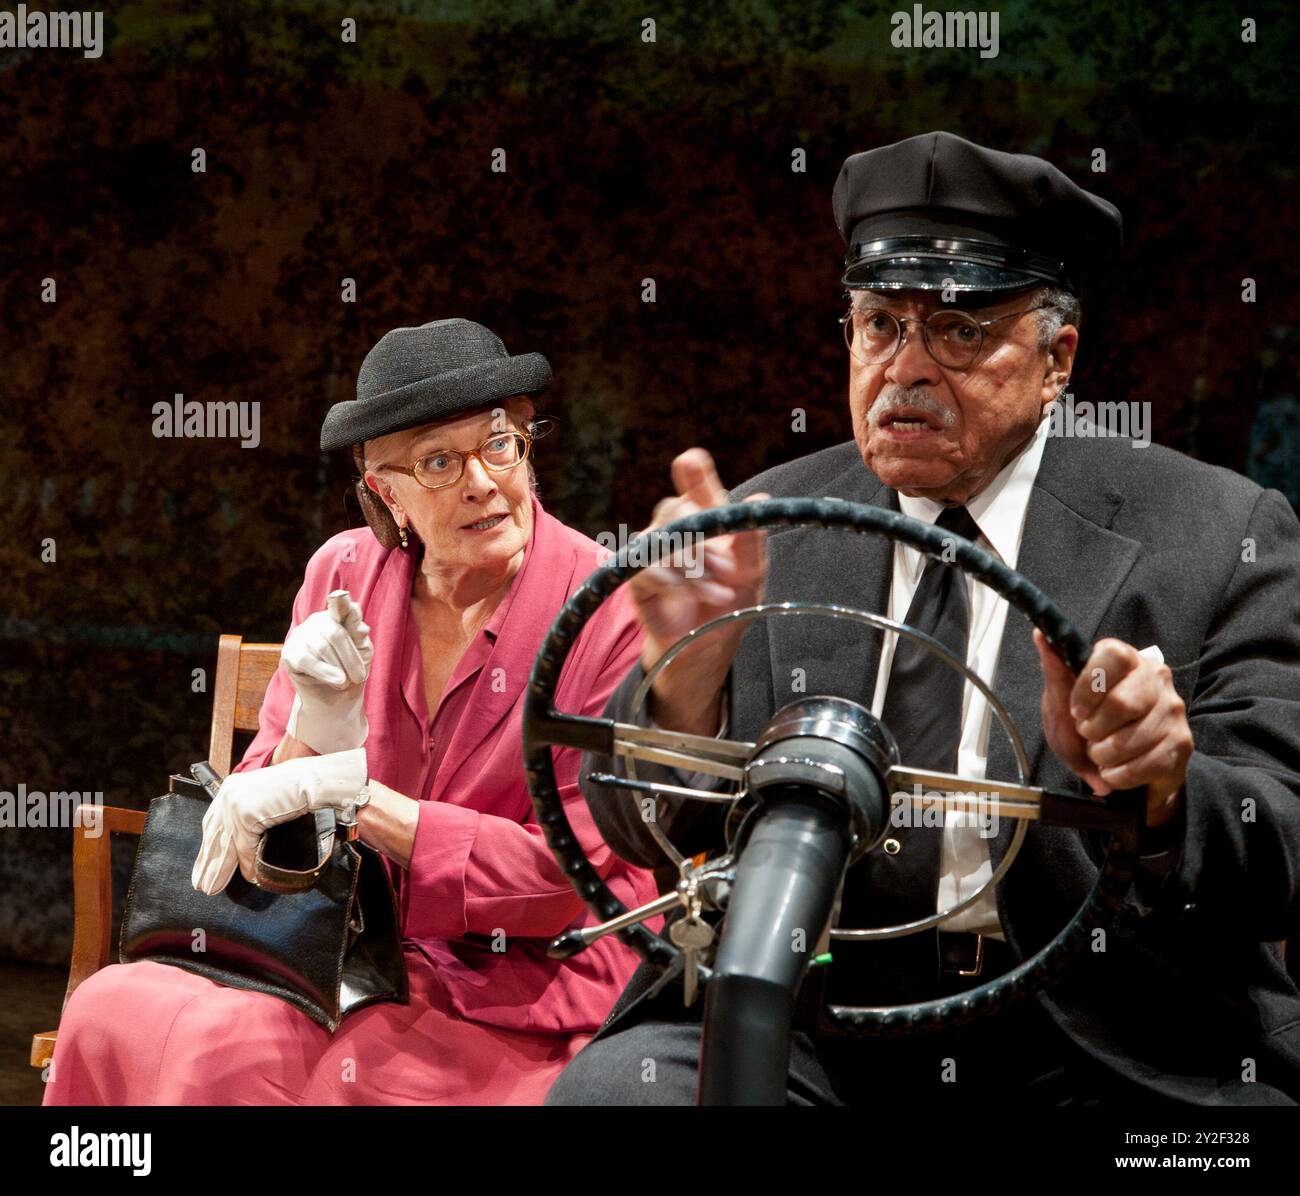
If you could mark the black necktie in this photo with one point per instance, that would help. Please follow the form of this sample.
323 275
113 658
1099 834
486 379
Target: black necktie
923 700
923 710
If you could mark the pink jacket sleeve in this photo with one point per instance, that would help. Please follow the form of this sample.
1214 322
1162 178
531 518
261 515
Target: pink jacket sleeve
475 873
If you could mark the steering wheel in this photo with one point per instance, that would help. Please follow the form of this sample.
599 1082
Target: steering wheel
1121 815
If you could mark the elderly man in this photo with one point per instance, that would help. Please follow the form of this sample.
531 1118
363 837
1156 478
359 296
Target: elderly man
965 269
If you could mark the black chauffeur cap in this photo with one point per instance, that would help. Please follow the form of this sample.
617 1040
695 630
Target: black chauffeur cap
939 210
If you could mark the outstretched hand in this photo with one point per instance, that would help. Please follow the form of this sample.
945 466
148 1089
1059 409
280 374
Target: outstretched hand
699 582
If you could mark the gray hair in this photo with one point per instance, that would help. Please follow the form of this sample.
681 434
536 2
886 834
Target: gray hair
1057 307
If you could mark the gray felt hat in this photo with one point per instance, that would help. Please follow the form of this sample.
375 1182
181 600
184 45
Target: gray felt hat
416 376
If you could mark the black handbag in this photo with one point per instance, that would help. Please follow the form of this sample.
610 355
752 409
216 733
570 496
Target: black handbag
319 930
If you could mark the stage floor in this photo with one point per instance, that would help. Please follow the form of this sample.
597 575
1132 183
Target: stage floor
31 998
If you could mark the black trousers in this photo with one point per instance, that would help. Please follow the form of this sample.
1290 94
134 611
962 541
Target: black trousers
1019 1056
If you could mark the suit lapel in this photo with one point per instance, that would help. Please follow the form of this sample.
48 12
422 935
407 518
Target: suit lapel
1070 553
842 568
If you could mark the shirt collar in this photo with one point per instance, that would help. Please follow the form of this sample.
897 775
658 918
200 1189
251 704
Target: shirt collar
999 509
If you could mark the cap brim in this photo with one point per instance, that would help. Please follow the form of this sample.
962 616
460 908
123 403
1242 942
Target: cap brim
933 273
431 400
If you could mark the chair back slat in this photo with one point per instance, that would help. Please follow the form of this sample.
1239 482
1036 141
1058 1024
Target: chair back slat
243 673
257 665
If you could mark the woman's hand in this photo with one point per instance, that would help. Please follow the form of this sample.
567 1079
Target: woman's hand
249 803
327 657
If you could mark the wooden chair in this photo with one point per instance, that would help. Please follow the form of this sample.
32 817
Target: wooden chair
243 673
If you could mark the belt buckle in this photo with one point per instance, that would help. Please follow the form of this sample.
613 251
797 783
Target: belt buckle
979 959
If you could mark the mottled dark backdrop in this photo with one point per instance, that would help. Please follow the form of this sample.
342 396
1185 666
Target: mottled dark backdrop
626 160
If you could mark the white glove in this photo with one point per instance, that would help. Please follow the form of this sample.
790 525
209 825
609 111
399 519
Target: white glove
248 803
327 657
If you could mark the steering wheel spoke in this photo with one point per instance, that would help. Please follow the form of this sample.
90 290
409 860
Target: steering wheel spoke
690 753
1117 813
1001 799
660 789
549 727
922 787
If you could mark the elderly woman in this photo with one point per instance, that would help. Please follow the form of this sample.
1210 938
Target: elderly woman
459 576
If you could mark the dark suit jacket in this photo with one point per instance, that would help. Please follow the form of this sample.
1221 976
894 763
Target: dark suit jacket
1191 996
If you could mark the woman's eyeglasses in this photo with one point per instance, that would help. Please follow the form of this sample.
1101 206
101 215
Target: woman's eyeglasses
499 453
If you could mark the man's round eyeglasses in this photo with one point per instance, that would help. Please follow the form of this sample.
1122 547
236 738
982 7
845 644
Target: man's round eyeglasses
953 338
499 453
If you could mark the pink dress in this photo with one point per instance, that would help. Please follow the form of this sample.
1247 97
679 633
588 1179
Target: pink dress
492 1020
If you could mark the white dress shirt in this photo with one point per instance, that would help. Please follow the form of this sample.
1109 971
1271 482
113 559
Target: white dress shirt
999 511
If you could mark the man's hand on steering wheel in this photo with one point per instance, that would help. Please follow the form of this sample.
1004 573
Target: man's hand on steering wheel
672 598
1119 724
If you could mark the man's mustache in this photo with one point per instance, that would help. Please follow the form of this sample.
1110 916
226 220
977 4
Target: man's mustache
894 397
